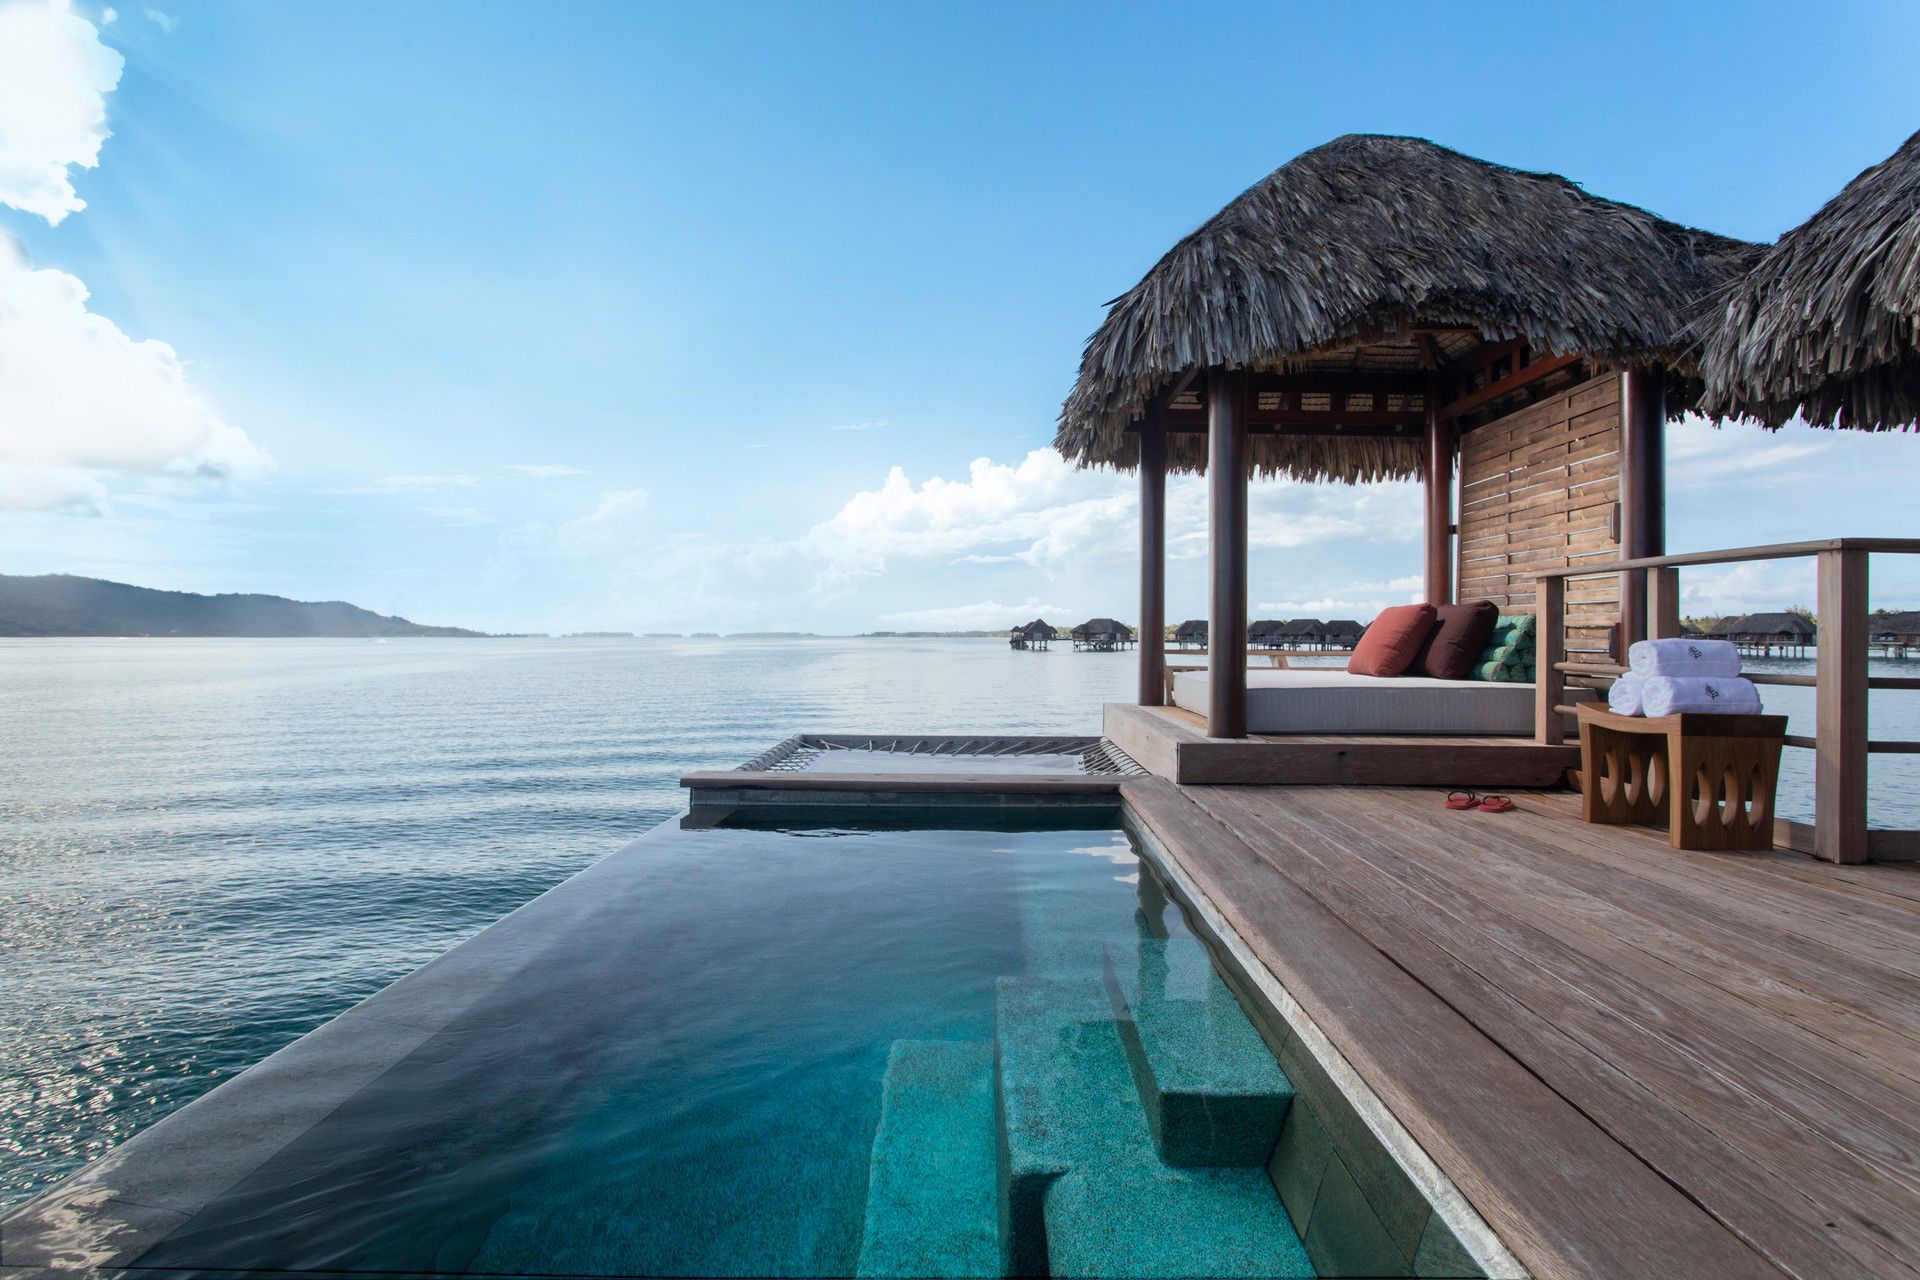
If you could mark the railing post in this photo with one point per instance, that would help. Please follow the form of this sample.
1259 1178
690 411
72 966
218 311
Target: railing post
1550 650
1663 605
1840 709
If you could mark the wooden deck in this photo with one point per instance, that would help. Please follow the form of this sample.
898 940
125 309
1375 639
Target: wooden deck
1634 1061
1173 744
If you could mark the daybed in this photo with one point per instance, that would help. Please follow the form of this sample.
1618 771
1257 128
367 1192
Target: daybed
1329 700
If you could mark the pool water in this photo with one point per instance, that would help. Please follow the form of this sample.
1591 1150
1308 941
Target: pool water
806 1051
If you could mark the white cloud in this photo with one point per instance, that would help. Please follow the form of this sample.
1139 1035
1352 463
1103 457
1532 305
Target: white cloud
875 425
544 470
613 527
1754 586
986 615
80 399
54 78
1040 511
1702 456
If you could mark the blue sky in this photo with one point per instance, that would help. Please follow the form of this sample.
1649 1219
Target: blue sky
525 316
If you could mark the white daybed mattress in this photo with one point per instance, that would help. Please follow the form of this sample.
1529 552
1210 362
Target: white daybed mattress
1329 700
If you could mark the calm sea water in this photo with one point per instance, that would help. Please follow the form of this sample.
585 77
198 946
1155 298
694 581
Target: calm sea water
208 848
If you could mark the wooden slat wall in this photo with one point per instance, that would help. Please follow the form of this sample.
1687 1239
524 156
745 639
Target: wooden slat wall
1538 489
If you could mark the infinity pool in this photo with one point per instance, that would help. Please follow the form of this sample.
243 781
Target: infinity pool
788 1051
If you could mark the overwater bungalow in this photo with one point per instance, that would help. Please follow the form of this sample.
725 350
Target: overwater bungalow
1267 633
1037 634
1341 1014
1342 633
1102 635
1303 633
1895 633
1191 634
1768 634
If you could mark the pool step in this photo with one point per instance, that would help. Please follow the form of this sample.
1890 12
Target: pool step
1146 1218
1083 1190
932 1206
1213 1094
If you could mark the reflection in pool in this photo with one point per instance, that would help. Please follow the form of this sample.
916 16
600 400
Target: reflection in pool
689 1076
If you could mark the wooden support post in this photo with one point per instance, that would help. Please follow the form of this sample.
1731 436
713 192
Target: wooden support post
1663 603
1227 456
1550 650
1153 564
1643 487
1840 710
1439 477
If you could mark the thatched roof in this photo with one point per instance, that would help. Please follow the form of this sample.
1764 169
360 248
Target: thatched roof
1102 627
1191 629
1902 623
1266 628
1038 626
1331 261
1827 323
1341 628
1307 628
1769 624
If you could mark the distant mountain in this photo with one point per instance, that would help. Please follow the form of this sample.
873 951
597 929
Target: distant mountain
59 604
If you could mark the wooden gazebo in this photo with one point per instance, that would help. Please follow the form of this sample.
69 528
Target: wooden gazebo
1387 308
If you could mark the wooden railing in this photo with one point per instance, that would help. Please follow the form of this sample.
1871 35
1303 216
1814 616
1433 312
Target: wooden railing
1839 831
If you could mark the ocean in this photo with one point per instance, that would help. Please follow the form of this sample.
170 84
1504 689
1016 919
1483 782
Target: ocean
209 847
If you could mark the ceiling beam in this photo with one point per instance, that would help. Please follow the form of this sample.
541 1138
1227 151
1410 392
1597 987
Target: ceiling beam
1349 424
1521 378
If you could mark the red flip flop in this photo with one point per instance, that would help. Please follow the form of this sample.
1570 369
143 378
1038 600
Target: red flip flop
1495 804
1462 800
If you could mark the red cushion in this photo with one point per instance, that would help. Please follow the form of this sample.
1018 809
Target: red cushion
1457 640
1392 641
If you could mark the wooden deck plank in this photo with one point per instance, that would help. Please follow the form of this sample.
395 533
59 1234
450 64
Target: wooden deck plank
1675 999
1854 1158
1565 1197
1642 1118
1810 911
1723 944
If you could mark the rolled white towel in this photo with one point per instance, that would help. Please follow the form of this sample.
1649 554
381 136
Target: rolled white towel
1623 697
1733 696
1683 657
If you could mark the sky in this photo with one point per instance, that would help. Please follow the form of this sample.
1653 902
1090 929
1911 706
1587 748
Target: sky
560 317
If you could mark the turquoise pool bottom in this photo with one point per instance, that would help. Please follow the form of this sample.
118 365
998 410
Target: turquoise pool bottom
810 1052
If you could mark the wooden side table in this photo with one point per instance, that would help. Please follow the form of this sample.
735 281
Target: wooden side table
1709 779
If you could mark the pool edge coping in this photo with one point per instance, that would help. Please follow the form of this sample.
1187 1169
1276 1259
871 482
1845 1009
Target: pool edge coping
1456 1212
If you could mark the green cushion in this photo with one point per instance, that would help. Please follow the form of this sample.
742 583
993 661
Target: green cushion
1509 655
1513 627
